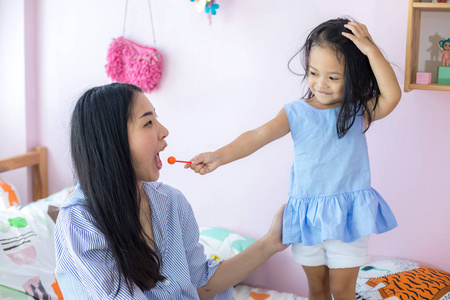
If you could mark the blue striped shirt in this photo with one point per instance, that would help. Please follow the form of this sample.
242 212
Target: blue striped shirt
81 248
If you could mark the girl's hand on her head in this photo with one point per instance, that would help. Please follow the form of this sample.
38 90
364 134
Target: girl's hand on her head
360 37
274 235
204 163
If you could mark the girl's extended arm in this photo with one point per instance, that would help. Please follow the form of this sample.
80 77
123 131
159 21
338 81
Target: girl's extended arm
244 145
235 269
386 79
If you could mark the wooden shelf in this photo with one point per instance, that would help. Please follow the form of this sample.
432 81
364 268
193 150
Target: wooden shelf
431 6
412 44
429 87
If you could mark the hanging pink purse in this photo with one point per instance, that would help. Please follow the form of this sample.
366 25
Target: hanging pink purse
129 62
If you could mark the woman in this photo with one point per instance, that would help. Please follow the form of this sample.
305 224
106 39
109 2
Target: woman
123 235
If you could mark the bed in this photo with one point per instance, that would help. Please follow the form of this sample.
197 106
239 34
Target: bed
27 257
37 160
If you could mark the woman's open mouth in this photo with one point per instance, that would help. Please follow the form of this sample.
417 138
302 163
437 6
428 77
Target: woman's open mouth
158 161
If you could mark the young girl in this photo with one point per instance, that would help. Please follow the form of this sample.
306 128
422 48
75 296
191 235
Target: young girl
120 234
332 208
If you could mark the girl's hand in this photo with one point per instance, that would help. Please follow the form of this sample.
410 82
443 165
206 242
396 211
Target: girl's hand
390 92
274 235
204 163
360 37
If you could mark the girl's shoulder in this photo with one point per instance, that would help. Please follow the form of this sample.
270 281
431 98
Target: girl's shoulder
295 103
295 106
301 110
310 106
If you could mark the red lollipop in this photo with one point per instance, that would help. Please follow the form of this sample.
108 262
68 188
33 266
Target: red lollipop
171 160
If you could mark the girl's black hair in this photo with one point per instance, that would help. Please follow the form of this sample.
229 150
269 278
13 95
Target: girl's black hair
360 83
102 162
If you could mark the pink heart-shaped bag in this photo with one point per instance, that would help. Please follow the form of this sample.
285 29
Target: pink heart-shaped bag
129 62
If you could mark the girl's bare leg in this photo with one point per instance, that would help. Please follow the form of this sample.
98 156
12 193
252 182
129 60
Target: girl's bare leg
343 283
318 282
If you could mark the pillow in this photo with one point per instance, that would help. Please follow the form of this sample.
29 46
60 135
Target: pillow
221 243
49 204
402 279
8 195
27 257
245 292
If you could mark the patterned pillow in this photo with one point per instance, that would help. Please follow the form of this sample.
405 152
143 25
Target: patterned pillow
27 257
221 243
402 279
8 195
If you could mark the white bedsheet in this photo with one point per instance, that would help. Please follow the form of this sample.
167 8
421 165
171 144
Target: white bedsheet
245 292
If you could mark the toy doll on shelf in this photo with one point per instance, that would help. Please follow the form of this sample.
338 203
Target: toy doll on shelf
445 54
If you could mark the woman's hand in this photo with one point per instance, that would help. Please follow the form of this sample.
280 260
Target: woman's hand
235 269
274 235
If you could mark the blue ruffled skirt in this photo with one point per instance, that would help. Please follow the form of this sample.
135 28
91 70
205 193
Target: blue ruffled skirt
346 217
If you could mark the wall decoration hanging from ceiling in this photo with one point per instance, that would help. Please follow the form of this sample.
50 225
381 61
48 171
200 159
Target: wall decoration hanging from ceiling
208 6
129 62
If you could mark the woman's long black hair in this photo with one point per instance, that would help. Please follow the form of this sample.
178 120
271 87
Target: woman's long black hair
360 83
102 161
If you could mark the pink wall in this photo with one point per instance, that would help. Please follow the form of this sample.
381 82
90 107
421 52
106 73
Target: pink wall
13 100
222 79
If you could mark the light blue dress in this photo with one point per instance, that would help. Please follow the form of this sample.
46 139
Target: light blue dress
330 196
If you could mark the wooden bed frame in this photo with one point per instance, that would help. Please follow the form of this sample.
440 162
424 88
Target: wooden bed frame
37 159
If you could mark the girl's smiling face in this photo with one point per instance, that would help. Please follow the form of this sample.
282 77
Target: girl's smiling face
325 78
146 137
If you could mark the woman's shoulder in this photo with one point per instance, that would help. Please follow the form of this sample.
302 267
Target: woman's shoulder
74 214
75 198
75 206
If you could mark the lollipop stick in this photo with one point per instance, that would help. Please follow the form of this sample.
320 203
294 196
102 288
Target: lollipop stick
171 160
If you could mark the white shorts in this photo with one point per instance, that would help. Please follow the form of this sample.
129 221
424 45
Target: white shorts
334 254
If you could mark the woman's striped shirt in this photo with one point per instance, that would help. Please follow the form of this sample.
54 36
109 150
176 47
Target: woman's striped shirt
81 248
